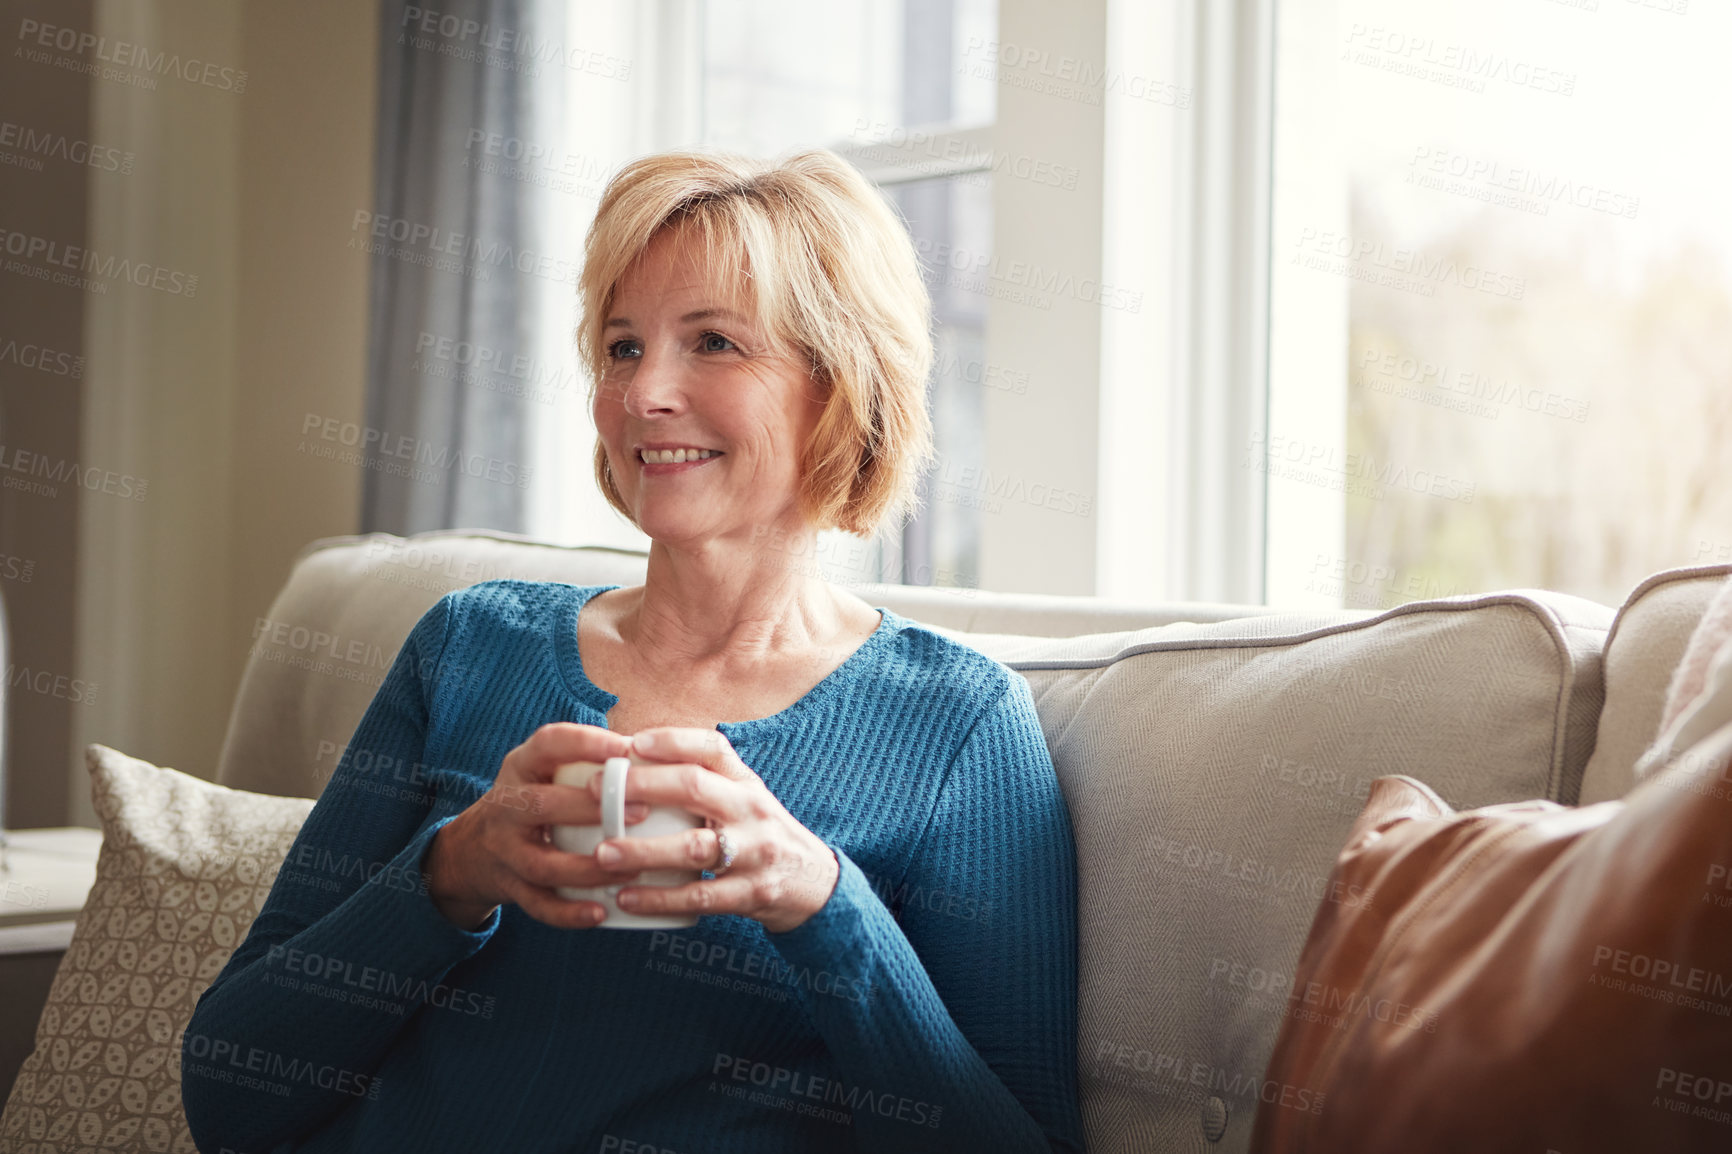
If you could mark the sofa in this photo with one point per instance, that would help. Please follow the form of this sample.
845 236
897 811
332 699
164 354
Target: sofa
1213 758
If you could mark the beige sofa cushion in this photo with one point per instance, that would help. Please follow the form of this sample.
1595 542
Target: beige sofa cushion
1642 653
185 866
329 638
325 644
1212 773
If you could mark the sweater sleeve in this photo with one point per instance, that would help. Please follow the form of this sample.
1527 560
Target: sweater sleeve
265 1060
965 1036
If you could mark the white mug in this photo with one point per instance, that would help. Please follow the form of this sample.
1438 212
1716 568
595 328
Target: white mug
662 820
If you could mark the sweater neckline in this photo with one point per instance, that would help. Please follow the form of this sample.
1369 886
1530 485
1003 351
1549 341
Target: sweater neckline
854 667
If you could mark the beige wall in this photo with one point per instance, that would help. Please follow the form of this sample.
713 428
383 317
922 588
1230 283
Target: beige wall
204 396
43 194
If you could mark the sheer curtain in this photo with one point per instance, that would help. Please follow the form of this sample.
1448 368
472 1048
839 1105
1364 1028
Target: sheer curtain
466 260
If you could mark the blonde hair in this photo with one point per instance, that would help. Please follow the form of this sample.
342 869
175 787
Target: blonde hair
832 274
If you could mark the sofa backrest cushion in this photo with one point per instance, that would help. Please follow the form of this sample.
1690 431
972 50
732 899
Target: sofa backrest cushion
1212 774
329 638
327 641
1643 649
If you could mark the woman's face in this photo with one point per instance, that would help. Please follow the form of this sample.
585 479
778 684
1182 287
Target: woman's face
703 423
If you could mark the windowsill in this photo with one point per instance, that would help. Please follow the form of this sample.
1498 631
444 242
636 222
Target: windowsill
47 876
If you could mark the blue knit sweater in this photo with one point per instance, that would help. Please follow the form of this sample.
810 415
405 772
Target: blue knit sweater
929 1005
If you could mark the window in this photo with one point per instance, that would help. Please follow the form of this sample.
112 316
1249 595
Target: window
1087 186
985 123
1502 298
744 75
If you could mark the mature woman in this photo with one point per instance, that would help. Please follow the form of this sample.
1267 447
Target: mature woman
886 954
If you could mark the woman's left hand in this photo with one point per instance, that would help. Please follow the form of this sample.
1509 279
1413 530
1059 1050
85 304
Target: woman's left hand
782 873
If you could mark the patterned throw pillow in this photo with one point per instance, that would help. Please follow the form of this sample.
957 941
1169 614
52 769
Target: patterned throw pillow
185 866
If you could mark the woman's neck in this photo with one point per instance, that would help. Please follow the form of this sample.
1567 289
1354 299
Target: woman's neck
740 599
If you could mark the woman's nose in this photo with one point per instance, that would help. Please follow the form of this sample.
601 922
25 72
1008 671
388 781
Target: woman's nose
654 388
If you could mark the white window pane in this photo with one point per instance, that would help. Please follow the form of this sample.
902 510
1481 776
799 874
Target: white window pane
765 88
974 97
951 221
1538 268
780 74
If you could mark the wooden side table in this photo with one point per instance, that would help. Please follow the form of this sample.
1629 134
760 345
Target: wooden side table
47 875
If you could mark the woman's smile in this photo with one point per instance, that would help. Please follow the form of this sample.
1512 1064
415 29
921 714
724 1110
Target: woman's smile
663 460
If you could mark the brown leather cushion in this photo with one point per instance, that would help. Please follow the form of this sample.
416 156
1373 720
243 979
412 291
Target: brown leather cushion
1523 977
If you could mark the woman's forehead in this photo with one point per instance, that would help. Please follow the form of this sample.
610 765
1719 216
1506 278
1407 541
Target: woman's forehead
678 265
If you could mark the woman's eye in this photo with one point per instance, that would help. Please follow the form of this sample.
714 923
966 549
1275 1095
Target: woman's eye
715 343
624 347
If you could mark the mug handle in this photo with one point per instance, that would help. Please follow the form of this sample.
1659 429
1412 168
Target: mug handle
613 775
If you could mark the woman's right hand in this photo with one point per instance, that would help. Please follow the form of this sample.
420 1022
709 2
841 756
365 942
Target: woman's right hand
496 851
